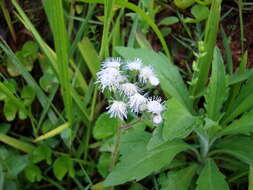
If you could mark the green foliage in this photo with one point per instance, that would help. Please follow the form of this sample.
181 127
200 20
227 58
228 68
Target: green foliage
139 162
178 123
217 89
105 126
211 178
62 166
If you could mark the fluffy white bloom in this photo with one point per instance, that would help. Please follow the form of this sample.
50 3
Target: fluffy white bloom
134 65
118 109
154 106
110 78
112 63
153 80
145 73
157 119
128 89
137 102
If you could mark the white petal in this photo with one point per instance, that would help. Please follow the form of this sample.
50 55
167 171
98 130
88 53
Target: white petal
118 109
128 89
137 102
112 63
157 119
154 106
154 81
134 65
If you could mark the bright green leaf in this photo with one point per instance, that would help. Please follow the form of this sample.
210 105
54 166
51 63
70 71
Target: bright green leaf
178 122
217 90
33 173
211 178
62 166
105 126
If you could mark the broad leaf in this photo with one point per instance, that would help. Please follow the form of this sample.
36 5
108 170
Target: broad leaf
211 178
105 126
178 122
181 179
237 146
217 89
170 79
139 163
244 125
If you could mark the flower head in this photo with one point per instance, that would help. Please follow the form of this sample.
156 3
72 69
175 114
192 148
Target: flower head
137 102
153 80
110 78
154 106
134 65
118 109
157 119
112 63
145 73
128 89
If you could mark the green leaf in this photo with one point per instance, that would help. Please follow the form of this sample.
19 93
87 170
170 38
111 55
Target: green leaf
250 178
179 180
169 20
211 178
105 126
41 153
15 164
200 12
242 103
217 90
178 122
10 110
104 164
156 139
139 163
62 166
243 125
204 62
237 146
28 94
33 173
4 128
170 78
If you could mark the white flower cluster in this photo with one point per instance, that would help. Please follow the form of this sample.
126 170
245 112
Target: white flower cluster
113 76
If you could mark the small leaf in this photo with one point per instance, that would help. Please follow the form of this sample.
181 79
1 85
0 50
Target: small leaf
200 12
15 164
28 95
62 166
33 173
104 163
169 20
211 178
10 110
178 122
41 153
105 126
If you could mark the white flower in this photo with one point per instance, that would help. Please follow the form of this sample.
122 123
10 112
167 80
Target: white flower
118 109
157 119
110 78
134 65
154 106
137 102
112 63
128 89
153 80
145 73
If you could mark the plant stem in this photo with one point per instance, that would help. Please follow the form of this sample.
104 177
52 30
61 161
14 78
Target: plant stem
116 149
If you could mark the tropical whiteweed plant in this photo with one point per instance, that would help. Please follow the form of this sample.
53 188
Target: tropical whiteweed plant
201 139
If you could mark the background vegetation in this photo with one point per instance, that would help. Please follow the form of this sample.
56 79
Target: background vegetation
54 131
